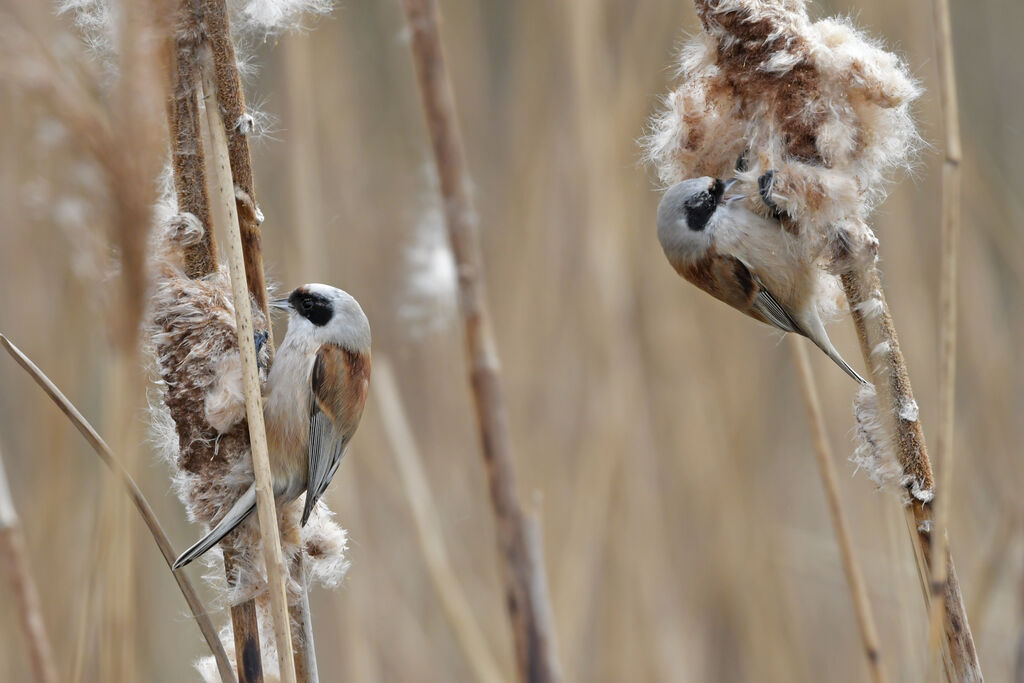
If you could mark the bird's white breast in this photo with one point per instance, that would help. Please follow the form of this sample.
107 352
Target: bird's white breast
286 411
774 255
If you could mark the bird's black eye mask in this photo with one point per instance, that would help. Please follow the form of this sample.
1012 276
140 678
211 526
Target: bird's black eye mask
313 307
702 205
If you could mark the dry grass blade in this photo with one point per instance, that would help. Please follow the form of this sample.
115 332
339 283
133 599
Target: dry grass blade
428 527
527 599
225 215
830 484
14 559
947 307
145 511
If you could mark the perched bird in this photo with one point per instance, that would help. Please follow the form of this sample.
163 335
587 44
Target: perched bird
315 393
746 260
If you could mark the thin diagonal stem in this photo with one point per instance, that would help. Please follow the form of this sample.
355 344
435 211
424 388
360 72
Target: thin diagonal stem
142 505
830 485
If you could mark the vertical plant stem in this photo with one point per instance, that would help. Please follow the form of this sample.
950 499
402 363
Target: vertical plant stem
889 374
830 484
947 306
428 528
225 214
526 595
189 164
238 124
14 562
187 156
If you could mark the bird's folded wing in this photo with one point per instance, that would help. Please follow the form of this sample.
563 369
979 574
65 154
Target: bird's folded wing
772 311
338 384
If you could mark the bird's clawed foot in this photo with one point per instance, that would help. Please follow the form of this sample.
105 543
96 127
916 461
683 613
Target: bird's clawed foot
260 338
764 187
741 162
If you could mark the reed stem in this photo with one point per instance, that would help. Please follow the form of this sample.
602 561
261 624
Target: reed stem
525 590
947 307
830 485
889 374
456 606
14 560
226 215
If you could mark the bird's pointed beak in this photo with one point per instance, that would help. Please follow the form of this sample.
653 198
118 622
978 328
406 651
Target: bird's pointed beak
281 304
729 199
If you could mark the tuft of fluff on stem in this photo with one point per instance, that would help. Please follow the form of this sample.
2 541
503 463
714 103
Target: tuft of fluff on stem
198 424
876 448
820 103
251 21
270 17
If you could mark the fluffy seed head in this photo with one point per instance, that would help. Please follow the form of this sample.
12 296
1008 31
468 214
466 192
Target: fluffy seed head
820 103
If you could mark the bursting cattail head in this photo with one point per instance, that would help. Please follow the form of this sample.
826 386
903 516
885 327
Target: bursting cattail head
819 103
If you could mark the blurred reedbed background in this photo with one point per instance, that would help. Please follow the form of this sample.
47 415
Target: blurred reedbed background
660 436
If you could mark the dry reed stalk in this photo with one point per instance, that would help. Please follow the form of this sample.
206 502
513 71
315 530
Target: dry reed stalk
947 308
14 561
225 214
188 162
142 505
883 356
239 123
446 583
116 559
830 484
189 166
526 597
188 159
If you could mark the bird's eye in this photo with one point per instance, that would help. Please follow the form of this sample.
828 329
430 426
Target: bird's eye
307 304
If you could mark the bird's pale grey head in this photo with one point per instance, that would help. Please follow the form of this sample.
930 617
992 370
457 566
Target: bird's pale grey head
685 217
328 314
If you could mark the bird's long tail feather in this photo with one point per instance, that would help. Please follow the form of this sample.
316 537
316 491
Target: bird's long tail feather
242 508
831 352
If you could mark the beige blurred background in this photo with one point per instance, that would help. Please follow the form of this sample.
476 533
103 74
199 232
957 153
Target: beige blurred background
661 435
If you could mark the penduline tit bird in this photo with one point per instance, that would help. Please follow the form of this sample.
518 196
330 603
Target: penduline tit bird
315 393
746 260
